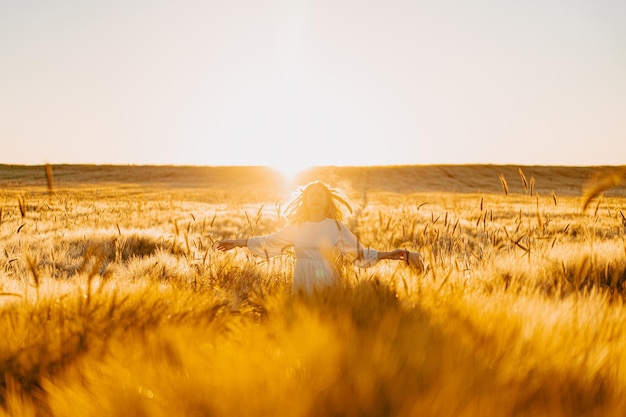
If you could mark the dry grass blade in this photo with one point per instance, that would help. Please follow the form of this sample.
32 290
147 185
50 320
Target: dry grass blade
187 246
523 177
21 202
518 244
259 214
10 294
598 185
248 220
539 220
49 179
32 267
479 218
213 220
505 187
595 212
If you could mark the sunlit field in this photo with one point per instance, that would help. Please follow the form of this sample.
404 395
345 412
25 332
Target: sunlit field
115 302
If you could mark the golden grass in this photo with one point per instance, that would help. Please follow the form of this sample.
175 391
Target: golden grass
113 300
600 183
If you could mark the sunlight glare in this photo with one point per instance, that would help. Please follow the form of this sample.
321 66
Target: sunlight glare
289 168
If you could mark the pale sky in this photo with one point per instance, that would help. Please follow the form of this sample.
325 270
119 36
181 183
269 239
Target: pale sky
293 83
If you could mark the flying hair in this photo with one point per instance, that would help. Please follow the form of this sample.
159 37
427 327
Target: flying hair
296 210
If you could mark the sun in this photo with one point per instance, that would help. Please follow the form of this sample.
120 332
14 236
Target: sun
289 169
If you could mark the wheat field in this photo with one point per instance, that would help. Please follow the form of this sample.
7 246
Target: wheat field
114 301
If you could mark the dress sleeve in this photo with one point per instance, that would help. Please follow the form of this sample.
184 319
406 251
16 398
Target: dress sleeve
271 245
352 249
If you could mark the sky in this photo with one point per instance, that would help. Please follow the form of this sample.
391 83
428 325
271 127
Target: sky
295 83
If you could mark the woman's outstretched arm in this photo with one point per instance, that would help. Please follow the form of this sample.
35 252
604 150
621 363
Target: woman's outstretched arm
265 246
228 244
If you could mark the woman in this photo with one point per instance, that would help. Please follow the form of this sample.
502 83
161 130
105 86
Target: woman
317 234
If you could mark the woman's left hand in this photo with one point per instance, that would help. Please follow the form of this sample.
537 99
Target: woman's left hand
227 244
396 255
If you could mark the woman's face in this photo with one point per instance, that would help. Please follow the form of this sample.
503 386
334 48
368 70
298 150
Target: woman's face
316 199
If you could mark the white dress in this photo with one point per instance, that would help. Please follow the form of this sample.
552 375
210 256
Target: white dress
316 245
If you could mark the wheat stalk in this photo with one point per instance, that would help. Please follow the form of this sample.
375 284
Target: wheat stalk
505 187
21 202
523 177
598 185
539 221
49 179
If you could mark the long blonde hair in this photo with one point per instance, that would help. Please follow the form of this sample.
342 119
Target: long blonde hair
336 204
